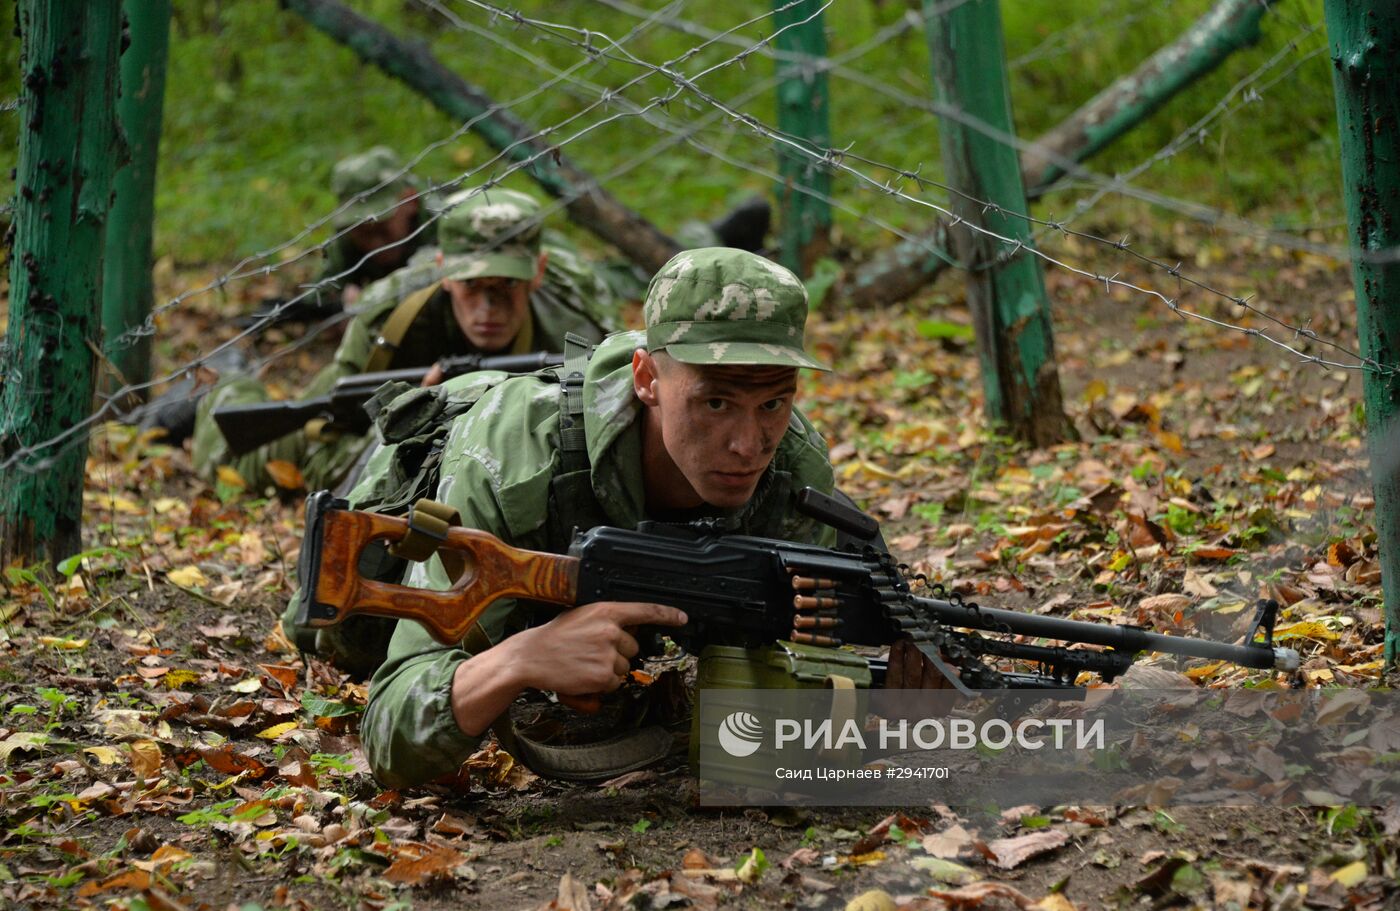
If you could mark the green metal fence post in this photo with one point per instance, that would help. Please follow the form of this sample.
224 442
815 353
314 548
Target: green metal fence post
1005 286
68 66
127 289
804 218
1365 42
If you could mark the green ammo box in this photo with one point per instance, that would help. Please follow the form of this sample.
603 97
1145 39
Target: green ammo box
782 666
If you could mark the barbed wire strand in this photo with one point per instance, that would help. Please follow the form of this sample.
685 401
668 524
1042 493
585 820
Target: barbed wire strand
1198 211
71 434
834 158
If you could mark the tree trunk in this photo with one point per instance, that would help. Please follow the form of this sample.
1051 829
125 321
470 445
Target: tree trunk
804 218
587 203
909 265
1005 287
68 62
1365 41
127 290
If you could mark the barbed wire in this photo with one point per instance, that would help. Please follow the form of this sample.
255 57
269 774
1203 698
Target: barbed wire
1121 245
1209 215
1196 133
71 436
835 158
1080 33
727 111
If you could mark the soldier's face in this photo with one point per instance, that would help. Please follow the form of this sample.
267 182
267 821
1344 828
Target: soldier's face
380 239
711 431
490 311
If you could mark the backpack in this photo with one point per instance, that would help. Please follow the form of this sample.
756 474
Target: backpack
413 424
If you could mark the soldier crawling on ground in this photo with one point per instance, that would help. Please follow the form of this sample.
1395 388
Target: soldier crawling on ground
491 288
692 418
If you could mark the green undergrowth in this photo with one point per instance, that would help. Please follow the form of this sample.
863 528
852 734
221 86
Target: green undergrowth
259 105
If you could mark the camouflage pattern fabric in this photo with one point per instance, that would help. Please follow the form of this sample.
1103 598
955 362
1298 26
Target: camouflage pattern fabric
490 233
501 470
721 306
367 185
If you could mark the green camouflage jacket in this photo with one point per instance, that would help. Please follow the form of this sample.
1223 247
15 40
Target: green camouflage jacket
502 471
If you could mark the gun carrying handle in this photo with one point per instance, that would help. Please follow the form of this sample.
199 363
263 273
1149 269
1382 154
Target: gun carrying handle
491 570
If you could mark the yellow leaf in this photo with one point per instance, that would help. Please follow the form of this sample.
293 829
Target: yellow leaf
247 685
1055 901
1352 874
277 730
178 678
167 504
1205 671
1095 390
285 475
861 860
1305 629
105 755
112 503
146 758
230 476
68 645
1170 441
188 576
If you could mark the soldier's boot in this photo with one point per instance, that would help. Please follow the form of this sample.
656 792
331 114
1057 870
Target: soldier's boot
746 226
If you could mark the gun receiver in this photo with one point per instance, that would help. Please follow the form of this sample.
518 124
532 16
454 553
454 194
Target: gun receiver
247 427
735 590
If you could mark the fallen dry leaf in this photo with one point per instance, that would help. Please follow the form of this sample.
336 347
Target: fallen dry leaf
415 864
1009 853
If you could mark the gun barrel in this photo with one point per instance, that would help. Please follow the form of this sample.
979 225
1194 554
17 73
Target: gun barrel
248 426
1124 638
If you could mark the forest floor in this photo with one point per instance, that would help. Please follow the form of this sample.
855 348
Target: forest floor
161 746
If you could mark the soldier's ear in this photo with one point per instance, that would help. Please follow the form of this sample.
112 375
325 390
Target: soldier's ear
644 377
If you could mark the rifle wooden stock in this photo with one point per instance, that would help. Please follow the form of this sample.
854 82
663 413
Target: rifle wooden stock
491 569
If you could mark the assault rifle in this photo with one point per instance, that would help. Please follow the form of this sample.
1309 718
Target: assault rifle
735 590
246 427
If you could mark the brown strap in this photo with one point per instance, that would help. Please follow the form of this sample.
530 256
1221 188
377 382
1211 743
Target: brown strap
391 334
428 522
525 338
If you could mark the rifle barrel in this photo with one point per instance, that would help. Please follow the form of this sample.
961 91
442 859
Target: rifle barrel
1124 638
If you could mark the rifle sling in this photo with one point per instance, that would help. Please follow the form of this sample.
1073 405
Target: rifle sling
391 334
428 521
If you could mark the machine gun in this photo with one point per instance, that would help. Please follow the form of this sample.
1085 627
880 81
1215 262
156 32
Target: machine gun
735 590
248 426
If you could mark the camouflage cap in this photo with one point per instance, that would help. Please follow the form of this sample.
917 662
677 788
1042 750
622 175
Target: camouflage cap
489 234
718 305
368 185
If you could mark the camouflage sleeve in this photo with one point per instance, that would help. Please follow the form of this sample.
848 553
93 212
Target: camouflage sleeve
409 733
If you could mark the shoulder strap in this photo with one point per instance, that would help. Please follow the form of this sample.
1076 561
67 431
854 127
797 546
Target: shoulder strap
573 443
391 334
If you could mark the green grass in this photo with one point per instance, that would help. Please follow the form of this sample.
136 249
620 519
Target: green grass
259 106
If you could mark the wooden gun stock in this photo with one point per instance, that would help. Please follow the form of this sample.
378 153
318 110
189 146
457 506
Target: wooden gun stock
332 587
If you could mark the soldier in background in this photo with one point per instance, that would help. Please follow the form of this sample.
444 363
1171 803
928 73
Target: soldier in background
492 287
